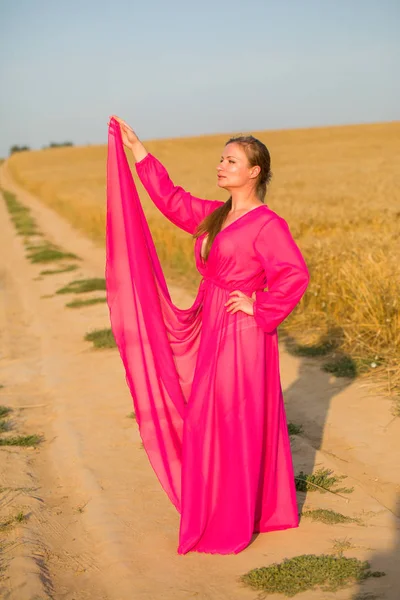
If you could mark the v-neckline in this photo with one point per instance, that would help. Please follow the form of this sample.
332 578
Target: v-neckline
227 227
239 218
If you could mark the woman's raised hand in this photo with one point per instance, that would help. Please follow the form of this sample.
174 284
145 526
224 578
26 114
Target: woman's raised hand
129 137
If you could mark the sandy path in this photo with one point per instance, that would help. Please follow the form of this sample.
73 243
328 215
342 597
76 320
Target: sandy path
99 525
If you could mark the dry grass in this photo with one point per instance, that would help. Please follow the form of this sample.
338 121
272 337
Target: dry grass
339 189
329 517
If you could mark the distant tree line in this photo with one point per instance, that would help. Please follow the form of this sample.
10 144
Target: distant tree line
58 145
17 148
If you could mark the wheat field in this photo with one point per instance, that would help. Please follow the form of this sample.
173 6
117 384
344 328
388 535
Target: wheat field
339 190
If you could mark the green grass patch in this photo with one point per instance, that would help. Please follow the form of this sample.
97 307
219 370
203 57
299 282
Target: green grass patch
79 303
42 246
309 572
4 425
20 216
132 416
294 429
61 270
346 366
21 440
321 349
343 366
48 253
329 517
82 286
4 411
101 338
322 480
7 523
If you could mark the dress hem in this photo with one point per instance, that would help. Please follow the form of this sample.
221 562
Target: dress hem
266 530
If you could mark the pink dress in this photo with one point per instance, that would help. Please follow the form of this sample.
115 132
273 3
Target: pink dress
205 384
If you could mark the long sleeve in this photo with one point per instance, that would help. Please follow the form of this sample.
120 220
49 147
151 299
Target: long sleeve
286 272
180 207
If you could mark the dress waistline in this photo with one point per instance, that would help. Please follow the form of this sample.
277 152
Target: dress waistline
247 289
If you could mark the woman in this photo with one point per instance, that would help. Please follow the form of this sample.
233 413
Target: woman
205 381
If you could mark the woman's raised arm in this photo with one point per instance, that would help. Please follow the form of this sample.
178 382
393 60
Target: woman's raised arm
180 207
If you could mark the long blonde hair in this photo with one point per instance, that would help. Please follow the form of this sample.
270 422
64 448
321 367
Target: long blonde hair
257 154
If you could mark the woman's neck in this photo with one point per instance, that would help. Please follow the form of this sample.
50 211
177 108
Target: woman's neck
244 200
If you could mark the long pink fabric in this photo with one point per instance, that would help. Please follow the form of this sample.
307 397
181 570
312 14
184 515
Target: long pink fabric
205 383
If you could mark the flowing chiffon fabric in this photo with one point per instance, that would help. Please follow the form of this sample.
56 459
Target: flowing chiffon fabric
205 383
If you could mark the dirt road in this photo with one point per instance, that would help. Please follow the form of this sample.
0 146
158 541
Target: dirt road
98 525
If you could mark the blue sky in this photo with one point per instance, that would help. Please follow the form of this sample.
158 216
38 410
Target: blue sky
173 68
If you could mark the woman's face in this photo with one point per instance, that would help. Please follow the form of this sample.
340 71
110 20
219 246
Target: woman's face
234 170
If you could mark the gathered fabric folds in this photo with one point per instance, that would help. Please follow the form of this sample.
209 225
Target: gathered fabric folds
205 383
